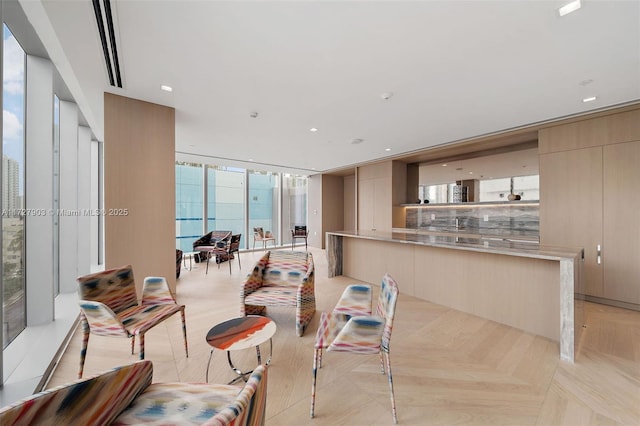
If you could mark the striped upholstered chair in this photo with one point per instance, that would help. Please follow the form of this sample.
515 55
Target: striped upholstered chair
109 307
125 395
359 334
281 278
201 403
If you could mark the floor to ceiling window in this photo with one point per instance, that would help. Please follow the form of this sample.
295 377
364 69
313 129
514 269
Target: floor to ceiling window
13 259
189 204
294 204
225 200
237 200
263 202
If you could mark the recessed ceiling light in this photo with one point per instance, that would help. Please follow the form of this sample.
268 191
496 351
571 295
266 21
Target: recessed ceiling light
251 159
356 141
386 95
589 99
445 165
569 7
166 88
387 149
313 129
470 173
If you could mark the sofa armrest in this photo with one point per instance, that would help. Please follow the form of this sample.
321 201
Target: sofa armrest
308 281
255 279
95 400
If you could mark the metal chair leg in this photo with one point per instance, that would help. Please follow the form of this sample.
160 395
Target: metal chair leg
316 365
393 400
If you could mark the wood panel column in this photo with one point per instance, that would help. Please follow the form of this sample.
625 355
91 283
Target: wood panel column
139 187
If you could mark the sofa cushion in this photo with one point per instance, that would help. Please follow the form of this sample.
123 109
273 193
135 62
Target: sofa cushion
179 403
95 400
201 403
274 295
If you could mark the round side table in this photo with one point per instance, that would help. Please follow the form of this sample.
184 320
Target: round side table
241 333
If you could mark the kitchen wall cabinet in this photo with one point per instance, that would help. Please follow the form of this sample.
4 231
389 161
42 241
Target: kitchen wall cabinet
571 207
621 225
381 192
589 176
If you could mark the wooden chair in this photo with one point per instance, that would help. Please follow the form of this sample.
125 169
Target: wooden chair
109 307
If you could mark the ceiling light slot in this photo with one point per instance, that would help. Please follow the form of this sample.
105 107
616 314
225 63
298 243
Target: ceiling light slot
104 19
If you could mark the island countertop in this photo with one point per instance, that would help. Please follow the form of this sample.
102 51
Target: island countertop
541 283
496 245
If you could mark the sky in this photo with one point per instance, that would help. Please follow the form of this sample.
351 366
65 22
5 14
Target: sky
13 99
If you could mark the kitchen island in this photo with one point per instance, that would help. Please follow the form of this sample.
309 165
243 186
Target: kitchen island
517 283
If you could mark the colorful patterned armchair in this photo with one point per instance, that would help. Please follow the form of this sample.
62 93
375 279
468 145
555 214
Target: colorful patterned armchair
281 279
125 395
109 307
349 329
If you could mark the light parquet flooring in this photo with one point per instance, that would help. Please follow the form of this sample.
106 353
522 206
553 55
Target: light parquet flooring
448 367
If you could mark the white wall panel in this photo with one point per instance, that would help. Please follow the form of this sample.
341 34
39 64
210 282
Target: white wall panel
39 191
68 196
84 200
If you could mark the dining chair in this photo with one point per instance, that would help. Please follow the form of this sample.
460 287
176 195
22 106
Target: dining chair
109 307
259 234
226 252
299 232
359 334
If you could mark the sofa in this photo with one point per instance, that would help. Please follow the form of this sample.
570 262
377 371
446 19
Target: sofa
125 395
281 278
212 239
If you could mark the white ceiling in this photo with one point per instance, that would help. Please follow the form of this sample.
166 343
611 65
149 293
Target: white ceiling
457 69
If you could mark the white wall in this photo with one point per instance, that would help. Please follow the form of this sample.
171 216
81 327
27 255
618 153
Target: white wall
39 191
68 196
84 200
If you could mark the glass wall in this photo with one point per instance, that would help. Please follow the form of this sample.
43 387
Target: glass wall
294 204
263 202
237 200
225 200
189 204
13 259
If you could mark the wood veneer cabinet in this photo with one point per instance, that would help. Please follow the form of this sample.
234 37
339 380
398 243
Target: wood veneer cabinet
571 207
381 192
589 176
621 224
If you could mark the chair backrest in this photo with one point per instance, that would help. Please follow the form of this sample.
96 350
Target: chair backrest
258 232
90 401
288 268
249 407
386 307
115 288
155 291
234 244
300 230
